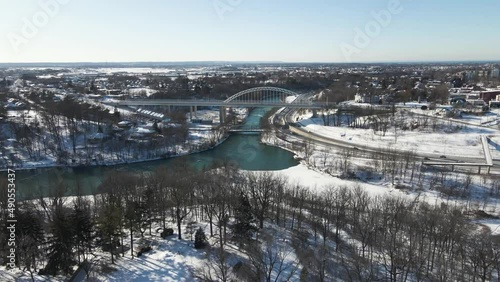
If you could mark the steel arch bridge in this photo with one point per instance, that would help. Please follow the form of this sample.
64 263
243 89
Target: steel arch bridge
253 97
262 95
265 96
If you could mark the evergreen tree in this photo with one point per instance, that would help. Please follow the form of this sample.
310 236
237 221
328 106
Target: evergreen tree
200 240
83 230
245 222
60 250
30 238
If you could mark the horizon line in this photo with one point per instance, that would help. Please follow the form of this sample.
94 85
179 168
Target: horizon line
252 62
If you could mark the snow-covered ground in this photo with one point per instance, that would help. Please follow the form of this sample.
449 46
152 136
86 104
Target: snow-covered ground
491 118
465 142
176 260
492 224
318 181
138 91
488 119
130 70
196 137
312 173
212 115
170 260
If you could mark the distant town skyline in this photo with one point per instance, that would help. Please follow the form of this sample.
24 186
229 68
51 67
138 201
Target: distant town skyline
326 31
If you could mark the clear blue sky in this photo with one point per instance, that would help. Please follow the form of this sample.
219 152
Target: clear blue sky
247 30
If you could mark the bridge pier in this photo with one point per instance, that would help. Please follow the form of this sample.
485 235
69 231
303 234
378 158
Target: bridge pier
315 113
222 114
191 110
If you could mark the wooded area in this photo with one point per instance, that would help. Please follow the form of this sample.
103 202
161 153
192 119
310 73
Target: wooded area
340 232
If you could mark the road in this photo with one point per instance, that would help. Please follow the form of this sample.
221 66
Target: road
301 134
210 103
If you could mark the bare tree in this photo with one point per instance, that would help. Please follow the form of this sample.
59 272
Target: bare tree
272 261
345 160
307 149
218 267
179 192
261 187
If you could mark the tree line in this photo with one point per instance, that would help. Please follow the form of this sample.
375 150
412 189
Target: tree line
334 232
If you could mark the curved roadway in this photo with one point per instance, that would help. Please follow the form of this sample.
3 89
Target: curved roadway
301 134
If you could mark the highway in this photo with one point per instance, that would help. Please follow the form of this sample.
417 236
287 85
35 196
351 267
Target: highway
300 134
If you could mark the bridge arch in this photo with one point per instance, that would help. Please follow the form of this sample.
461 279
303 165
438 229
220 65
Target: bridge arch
261 94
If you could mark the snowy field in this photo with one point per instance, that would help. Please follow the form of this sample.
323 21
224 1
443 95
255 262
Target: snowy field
317 181
177 260
464 142
488 119
171 260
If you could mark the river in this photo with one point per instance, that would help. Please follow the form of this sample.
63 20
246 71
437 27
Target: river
245 150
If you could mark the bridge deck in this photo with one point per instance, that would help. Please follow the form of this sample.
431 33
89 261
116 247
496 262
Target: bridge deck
219 103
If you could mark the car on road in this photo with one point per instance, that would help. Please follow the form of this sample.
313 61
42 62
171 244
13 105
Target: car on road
442 157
